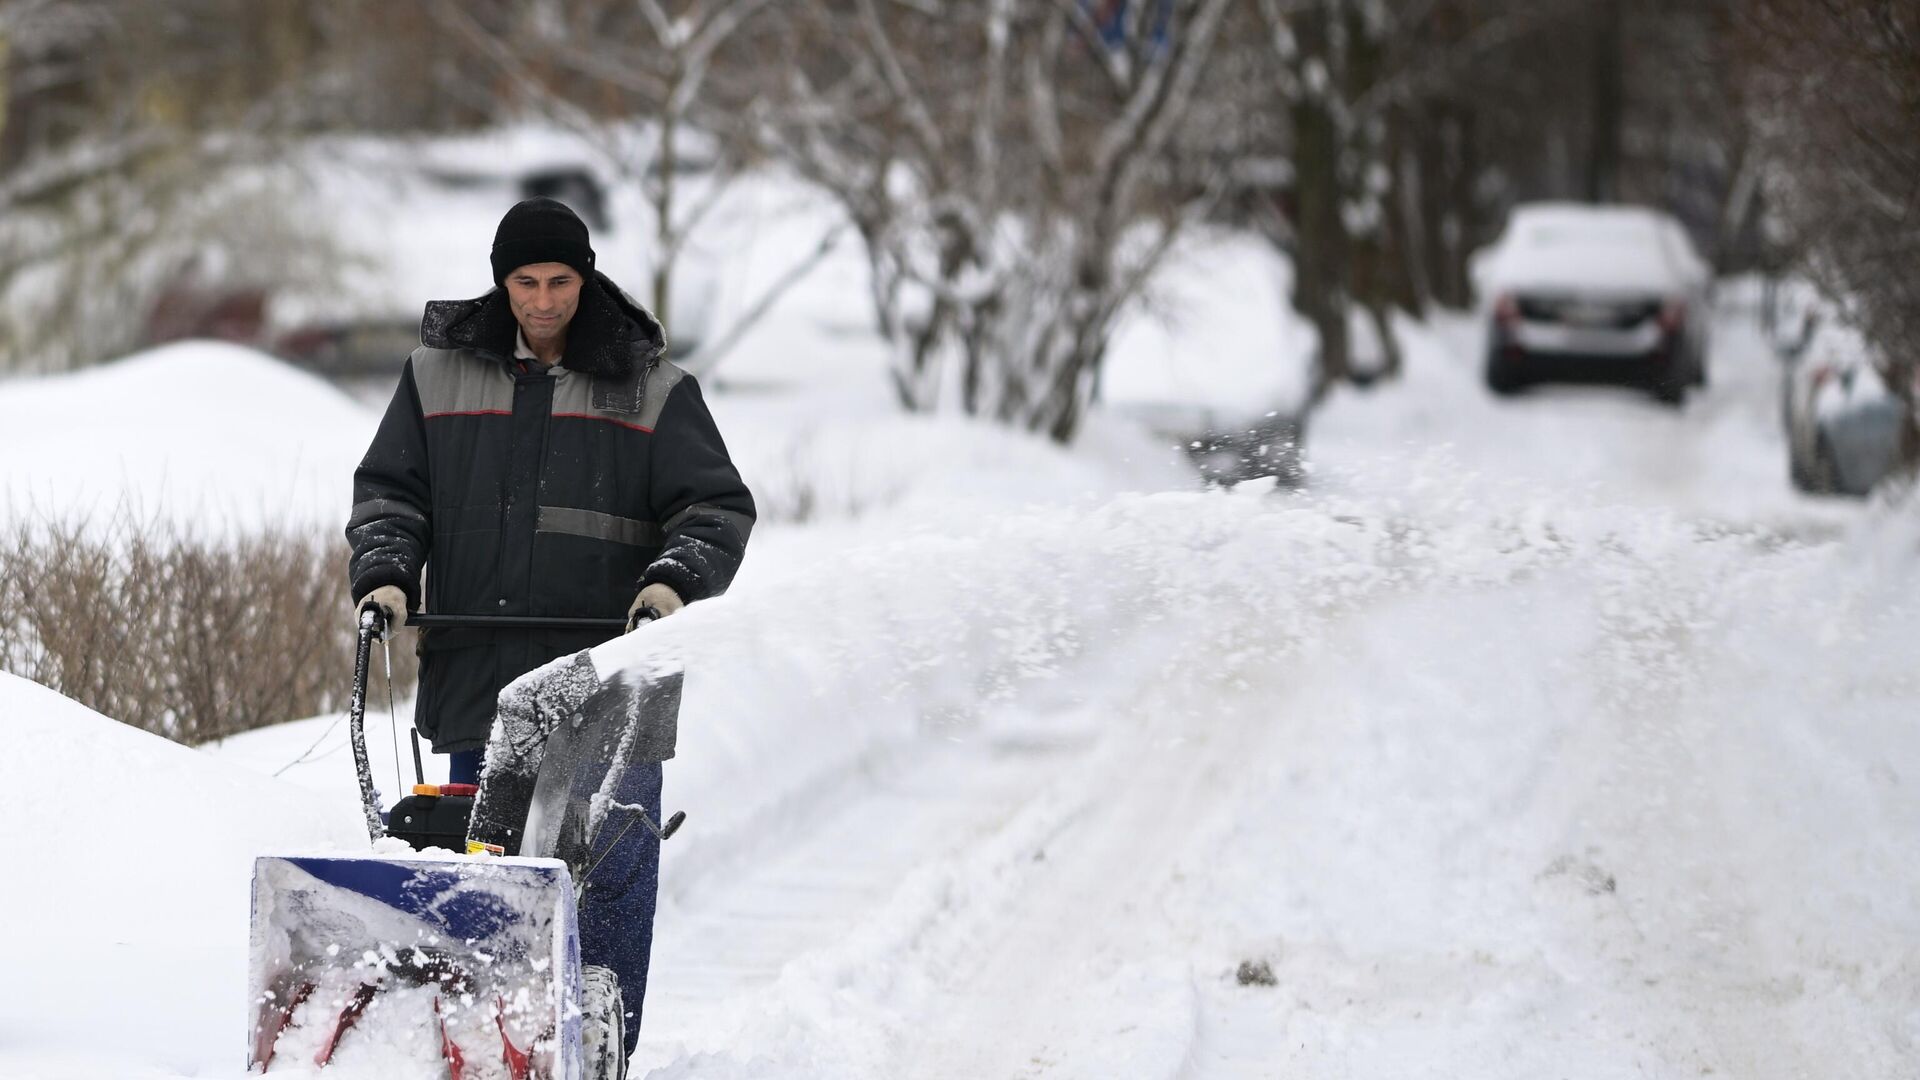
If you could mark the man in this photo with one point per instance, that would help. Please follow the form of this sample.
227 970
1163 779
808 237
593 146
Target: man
541 457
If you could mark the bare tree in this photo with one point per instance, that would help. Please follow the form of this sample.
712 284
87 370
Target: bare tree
595 66
1005 165
1837 98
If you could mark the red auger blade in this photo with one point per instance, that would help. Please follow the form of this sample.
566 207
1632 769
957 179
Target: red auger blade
270 1037
347 1017
517 1064
456 1064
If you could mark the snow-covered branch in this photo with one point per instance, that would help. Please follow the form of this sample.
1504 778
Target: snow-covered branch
993 211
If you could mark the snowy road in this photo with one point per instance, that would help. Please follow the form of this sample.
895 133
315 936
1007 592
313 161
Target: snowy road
1581 746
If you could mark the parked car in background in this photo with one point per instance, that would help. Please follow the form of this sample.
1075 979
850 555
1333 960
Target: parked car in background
1843 422
1572 292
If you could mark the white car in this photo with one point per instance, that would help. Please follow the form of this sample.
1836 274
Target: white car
1573 292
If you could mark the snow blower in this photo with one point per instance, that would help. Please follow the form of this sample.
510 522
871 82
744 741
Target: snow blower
453 948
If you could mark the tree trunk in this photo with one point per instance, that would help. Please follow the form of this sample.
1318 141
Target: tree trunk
1609 103
1320 245
1409 206
6 82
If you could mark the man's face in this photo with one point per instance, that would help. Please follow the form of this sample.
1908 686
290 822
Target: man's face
544 297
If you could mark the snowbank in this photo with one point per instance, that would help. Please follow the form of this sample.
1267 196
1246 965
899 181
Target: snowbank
1531 746
801 469
206 434
125 908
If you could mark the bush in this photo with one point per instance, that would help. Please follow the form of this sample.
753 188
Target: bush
189 637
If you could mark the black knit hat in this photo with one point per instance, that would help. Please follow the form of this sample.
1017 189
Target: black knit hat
540 230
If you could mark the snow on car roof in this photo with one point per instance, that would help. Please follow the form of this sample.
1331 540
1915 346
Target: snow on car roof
1577 247
1581 218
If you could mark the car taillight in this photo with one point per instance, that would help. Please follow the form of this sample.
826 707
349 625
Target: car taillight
1506 309
1673 315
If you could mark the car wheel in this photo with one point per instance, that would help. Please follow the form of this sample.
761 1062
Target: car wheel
1671 377
1502 378
1823 472
1799 469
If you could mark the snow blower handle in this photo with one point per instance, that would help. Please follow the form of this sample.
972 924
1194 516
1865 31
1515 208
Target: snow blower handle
514 622
373 624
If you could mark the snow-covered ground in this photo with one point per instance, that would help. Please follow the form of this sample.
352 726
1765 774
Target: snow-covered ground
124 911
1543 736
203 433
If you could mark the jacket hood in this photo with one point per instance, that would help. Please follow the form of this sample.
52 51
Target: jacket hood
610 335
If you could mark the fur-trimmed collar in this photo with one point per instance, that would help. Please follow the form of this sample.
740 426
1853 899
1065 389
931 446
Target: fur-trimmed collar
610 333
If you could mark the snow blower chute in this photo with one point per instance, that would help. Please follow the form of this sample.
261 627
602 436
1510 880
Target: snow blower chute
440 963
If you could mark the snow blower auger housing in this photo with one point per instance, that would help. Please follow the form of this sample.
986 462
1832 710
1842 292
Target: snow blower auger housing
435 962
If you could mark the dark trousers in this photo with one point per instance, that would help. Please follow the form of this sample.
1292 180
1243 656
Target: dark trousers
622 883
463 766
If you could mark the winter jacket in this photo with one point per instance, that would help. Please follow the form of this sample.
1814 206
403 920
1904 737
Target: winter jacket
523 492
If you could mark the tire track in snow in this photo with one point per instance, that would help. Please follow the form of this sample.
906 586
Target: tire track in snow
805 943
925 889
